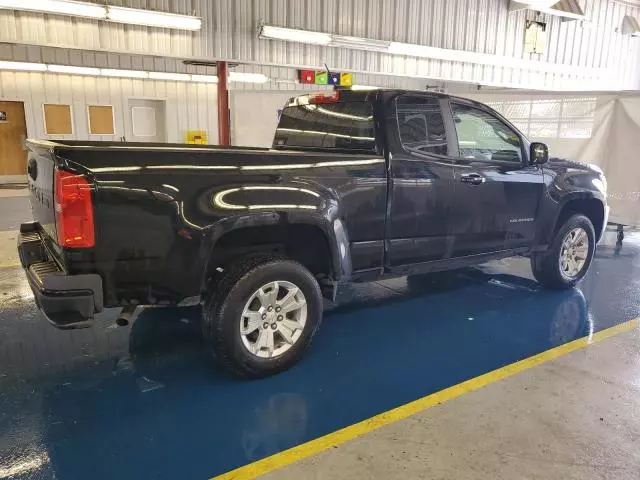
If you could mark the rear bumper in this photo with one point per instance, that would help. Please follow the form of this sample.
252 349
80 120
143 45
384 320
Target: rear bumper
67 301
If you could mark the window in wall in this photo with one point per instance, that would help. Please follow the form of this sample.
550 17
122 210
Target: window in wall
101 120
57 119
550 118
420 124
482 136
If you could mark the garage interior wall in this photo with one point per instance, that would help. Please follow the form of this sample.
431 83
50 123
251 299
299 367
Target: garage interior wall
230 31
189 106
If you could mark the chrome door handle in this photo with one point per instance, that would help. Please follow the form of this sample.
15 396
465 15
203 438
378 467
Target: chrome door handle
472 178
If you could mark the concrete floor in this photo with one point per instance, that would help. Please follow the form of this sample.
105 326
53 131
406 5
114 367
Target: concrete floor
575 417
147 401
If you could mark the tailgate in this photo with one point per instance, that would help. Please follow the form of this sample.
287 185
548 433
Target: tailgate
40 173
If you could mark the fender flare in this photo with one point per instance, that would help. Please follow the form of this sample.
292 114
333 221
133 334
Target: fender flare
334 230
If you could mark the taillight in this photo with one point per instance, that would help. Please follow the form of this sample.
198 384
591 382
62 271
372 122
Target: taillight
74 210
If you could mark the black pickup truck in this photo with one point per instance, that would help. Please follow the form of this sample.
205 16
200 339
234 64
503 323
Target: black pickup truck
357 186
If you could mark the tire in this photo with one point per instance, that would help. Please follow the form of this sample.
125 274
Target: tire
223 316
547 267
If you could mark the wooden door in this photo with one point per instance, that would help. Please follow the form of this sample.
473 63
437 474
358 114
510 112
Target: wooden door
13 131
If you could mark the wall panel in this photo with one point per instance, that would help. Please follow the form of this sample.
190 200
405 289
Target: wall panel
188 106
229 32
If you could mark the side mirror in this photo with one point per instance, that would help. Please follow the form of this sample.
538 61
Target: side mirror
538 153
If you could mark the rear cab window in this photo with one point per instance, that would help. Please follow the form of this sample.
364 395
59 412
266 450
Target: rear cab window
326 125
421 127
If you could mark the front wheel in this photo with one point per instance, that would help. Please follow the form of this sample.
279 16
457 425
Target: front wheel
569 256
262 316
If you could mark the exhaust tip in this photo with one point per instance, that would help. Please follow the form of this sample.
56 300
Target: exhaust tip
126 315
122 322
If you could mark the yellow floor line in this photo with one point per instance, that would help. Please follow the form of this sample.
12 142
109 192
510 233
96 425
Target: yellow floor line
10 264
343 435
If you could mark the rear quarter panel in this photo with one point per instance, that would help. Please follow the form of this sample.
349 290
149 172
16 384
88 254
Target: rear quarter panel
159 211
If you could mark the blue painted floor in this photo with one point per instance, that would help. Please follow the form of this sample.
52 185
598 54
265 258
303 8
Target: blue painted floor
146 401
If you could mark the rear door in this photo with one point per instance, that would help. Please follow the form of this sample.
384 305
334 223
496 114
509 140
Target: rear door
497 191
422 168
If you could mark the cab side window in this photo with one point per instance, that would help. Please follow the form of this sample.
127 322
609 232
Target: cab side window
481 136
420 125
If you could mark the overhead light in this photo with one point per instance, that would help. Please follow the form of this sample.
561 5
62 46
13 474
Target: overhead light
135 16
422 51
294 35
180 77
109 72
153 19
59 7
359 43
247 77
73 70
204 78
242 77
23 66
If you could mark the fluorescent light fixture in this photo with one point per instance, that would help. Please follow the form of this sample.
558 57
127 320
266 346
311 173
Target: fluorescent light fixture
109 72
60 7
23 66
153 19
294 35
422 51
179 77
247 77
204 78
134 16
358 43
73 70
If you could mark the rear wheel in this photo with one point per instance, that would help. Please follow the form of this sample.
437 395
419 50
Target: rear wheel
569 256
262 316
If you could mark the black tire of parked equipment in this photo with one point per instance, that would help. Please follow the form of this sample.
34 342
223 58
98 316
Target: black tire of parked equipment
222 311
546 266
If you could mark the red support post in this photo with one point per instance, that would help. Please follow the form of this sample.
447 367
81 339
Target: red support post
224 137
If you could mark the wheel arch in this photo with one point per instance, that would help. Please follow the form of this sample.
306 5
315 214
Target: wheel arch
591 207
320 244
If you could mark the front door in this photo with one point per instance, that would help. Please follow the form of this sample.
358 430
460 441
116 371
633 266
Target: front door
497 191
13 132
421 179
146 121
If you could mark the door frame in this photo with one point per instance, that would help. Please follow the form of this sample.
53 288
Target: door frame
4 179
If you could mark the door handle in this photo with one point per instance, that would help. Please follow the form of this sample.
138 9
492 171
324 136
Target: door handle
472 178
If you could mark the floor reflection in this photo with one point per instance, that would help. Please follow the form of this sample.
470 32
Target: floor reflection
147 401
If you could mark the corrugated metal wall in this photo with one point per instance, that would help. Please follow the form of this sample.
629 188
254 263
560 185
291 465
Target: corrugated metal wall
189 106
229 32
